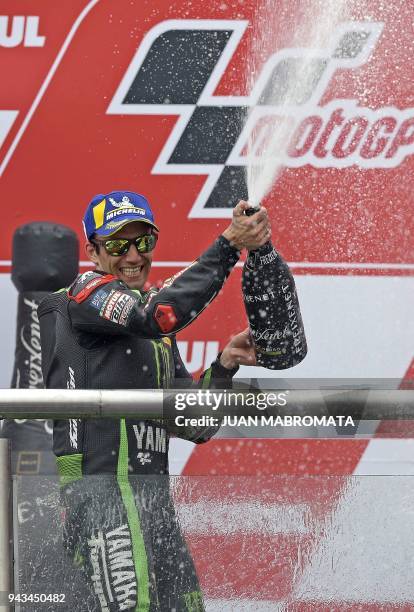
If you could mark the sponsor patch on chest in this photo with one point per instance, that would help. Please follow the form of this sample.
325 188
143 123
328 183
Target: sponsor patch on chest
98 298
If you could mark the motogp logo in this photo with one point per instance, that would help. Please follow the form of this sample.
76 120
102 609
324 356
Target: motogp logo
178 67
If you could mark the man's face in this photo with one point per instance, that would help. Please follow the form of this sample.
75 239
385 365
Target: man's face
133 267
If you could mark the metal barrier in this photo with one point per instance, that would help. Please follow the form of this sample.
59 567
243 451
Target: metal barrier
5 539
80 403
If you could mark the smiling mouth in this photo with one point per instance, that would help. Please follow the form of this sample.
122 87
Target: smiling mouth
132 271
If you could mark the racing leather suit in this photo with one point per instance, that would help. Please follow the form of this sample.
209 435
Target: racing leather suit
120 520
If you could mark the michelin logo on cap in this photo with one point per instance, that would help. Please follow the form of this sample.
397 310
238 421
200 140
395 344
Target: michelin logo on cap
124 211
125 202
106 213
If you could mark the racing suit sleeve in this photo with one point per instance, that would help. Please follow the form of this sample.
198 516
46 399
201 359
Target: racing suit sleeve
102 304
215 377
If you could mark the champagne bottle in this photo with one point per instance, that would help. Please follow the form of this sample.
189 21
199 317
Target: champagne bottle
272 308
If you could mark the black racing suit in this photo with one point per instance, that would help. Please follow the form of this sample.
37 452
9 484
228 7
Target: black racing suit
120 520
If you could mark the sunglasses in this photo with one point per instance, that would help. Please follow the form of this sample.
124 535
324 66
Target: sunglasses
120 246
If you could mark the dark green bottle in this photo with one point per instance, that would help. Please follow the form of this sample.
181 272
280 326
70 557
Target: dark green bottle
272 307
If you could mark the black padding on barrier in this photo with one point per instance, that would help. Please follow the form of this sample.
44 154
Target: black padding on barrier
45 256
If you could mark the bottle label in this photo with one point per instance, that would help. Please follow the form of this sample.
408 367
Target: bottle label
270 334
262 256
263 297
295 323
268 258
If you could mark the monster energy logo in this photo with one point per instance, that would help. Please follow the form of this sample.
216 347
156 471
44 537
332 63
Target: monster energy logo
162 358
194 601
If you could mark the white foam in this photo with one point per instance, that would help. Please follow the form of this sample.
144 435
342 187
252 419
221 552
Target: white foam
316 25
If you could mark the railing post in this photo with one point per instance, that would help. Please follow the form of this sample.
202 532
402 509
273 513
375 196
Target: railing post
5 537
